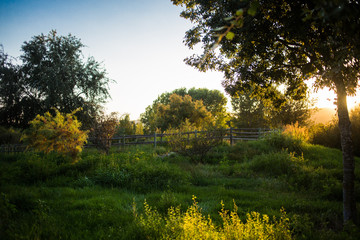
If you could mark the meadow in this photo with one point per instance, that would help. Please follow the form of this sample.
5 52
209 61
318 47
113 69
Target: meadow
275 188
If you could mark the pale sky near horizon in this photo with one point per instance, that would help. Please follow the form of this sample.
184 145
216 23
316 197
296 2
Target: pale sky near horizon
139 43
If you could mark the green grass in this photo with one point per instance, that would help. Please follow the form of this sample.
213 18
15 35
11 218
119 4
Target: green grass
46 197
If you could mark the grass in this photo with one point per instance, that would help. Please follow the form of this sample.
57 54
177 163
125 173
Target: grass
46 197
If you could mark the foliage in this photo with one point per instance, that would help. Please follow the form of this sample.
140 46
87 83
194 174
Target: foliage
213 100
60 133
329 134
45 196
12 100
9 136
194 225
296 132
252 111
179 110
286 43
103 130
53 74
194 142
128 127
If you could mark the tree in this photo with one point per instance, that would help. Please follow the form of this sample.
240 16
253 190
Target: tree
179 110
53 74
126 126
248 112
283 42
213 100
15 106
256 112
59 133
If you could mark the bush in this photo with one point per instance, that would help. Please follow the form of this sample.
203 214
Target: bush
284 141
188 141
60 133
194 225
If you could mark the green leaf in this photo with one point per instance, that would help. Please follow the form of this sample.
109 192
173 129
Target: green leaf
230 36
239 12
253 8
219 29
228 18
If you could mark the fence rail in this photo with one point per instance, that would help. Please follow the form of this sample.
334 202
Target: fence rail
231 134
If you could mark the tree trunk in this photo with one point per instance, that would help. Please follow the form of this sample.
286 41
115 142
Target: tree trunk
349 201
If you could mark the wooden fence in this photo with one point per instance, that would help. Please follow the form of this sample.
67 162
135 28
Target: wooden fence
231 134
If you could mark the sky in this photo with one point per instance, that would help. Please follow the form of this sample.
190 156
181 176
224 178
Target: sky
139 42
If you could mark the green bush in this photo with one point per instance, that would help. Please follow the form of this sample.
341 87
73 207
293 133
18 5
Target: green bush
282 141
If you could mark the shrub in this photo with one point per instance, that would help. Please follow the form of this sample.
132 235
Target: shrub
297 132
193 142
194 225
103 130
284 141
60 133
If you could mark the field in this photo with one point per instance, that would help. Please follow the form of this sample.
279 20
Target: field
102 196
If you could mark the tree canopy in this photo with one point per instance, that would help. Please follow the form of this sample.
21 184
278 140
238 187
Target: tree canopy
53 73
283 43
213 101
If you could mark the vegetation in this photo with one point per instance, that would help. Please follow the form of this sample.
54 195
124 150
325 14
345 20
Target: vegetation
53 73
329 134
44 196
213 101
59 133
197 143
178 110
251 112
103 130
272 43
129 127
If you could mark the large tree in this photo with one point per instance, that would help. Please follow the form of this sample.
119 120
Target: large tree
179 110
213 100
284 42
53 73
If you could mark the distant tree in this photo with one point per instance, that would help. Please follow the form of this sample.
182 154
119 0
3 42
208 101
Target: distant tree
179 110
248 112
256 112
126 126
59 133
213 100
285 42
53 74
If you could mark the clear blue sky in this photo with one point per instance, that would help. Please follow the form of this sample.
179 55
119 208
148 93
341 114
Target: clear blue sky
138 41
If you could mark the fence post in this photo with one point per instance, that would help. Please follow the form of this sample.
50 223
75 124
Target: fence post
195 133
124 140
155 139
231 137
